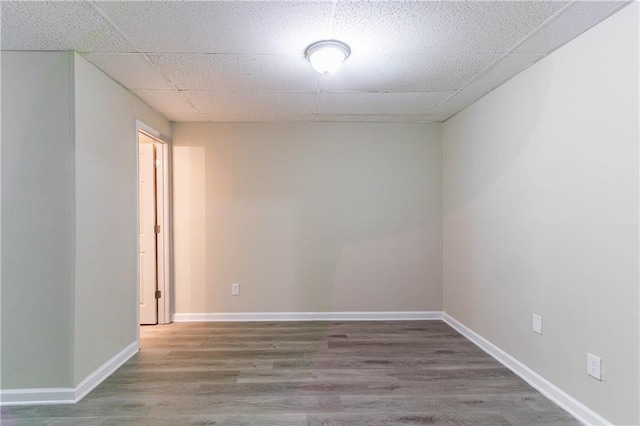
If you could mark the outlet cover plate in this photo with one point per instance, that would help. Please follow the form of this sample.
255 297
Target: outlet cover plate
235 289
537 323
594 366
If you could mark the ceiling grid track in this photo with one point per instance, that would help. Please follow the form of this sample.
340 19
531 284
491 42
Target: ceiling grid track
332 15
502 56
231 61
144 54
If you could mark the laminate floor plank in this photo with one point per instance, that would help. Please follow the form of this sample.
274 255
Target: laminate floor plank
417 418
304 373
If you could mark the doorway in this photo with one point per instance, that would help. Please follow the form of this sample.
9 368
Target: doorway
154 290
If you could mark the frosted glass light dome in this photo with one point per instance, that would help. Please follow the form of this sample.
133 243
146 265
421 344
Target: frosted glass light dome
326 56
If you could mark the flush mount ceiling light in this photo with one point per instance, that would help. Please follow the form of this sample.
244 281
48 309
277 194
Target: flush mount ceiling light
327 55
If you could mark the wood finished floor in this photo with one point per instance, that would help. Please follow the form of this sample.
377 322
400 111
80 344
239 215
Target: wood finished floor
304 373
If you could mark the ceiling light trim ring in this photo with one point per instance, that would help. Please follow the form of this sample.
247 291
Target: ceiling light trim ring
321 48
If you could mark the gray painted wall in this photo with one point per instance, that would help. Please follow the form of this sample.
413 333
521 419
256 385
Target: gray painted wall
311 217
541 185
37 220
106 213
69 182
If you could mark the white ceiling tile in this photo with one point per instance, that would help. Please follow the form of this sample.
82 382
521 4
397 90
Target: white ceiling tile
132 70
455 104
425 26
408 73
243 60
57 25
261 104
187 117
274 27
257 117
167 102
379 103
235 73
503 70
573 21
431 118
380 118
276 116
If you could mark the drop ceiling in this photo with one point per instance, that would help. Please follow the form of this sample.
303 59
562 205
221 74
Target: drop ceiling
411 61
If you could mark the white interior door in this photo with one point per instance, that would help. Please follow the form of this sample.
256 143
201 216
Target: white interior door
148 269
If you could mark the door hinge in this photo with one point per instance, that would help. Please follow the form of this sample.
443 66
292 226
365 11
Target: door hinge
158 294
157 229
156 163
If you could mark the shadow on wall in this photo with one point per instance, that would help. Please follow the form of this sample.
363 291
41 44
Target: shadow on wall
483 171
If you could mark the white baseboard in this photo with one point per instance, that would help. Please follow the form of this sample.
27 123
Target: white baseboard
309 316
40 396
107 369
574 407
48 396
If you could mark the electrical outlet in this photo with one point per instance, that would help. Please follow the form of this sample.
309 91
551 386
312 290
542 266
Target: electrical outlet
235 289
594 366
537 323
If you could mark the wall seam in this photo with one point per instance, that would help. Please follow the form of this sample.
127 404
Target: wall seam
442 268
72 132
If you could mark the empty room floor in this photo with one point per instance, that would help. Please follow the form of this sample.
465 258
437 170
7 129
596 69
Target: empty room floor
305 373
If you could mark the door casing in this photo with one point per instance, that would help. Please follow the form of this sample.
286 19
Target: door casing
164 242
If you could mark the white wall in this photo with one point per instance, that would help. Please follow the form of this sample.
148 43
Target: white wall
106 213
311 217
37 220
541 215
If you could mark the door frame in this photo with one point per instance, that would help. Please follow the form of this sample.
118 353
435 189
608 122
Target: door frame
164 244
